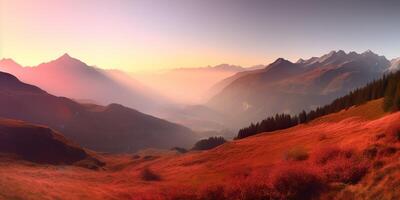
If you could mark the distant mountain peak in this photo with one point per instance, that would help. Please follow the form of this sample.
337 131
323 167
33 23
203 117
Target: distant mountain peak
394 64
67 60
220 67
7 60
353 53
281 61
332 56
228 67
336 53
66 56
281 65
369 53
300 61
331 53
8 63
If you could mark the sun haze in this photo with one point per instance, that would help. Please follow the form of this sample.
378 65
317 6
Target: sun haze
147 35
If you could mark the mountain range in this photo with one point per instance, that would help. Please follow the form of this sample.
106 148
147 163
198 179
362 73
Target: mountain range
70 77
284 86
341 154
211 98
165 95
112 128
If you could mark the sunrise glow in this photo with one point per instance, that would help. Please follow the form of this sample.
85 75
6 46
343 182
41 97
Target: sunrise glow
146 35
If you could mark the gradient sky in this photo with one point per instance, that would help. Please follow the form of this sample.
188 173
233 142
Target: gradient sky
142 35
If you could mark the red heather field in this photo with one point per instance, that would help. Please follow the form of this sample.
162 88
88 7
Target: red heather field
366 130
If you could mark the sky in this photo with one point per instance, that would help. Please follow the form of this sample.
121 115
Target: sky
137 35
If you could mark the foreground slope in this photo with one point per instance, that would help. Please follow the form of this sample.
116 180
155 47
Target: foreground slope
37 144
357 127
354 127
112 128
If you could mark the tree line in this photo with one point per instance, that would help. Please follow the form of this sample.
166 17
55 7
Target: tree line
388 87
209 143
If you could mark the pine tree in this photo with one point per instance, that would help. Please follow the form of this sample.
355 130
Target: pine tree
389 95
396 100
388 87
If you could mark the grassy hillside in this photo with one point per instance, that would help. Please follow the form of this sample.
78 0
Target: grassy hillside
369 111
251 158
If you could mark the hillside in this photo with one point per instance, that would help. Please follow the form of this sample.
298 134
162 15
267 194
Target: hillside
249 97
112 128
220 85
38 144
239 160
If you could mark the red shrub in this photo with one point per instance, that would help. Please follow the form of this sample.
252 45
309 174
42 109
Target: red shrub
180 196
323 155
393 134
396 135
149 175
289 180
340 165
345 170
296 154
214 192
179 193
388 151
249 189
296 181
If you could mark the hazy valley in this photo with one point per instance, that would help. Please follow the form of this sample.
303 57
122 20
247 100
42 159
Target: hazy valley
98 137
199 100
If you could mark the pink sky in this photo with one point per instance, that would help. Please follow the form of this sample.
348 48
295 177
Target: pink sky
143 35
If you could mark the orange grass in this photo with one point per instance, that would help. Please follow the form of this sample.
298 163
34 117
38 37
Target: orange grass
250 157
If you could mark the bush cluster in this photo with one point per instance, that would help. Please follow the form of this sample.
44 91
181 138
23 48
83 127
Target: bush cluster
208 143
297 179
149 175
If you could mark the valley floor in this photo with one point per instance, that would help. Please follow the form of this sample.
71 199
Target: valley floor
122 178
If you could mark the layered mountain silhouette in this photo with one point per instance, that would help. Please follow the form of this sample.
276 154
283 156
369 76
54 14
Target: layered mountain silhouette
221 67
112 128
164 95
189 89
188 85
72 78
289 87
219 86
